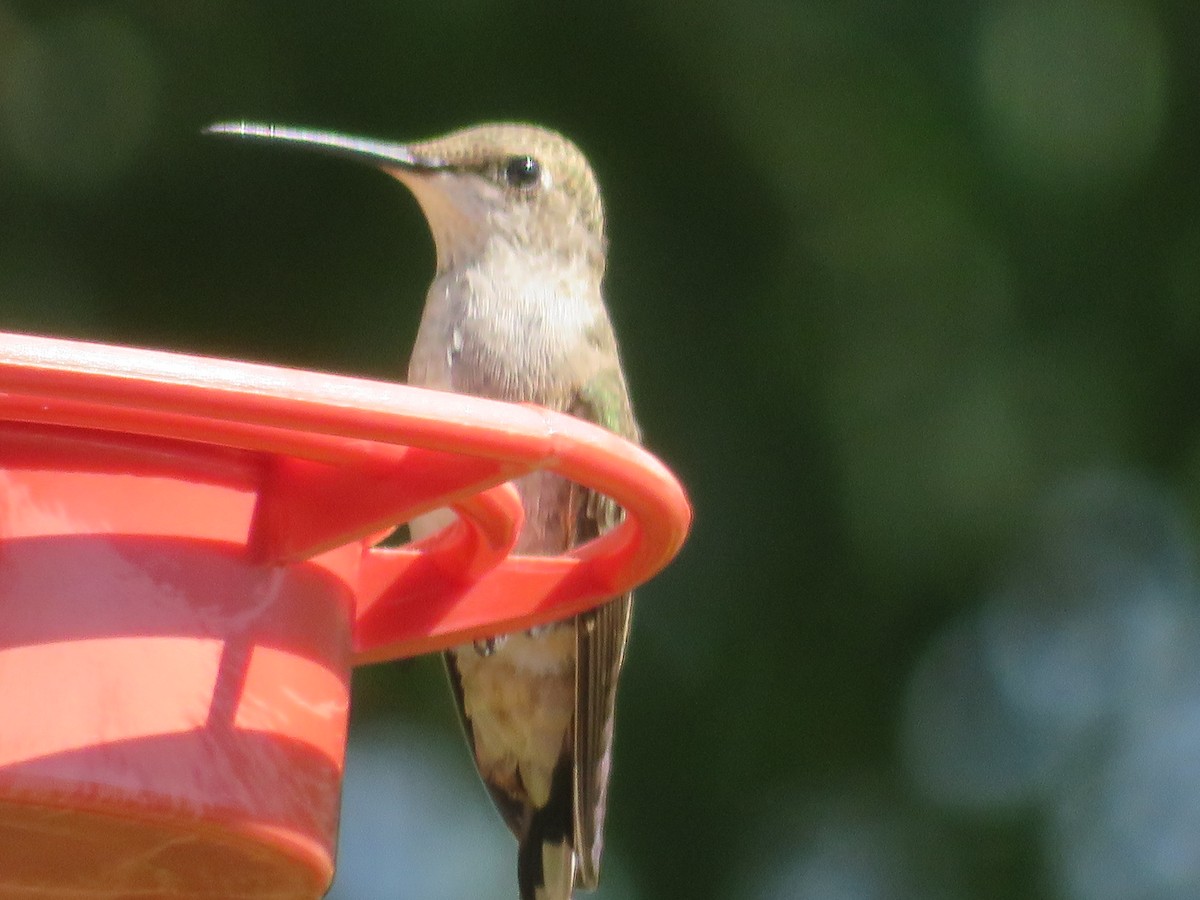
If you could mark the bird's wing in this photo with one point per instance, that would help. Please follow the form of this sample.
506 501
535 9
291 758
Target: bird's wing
600 638
600 642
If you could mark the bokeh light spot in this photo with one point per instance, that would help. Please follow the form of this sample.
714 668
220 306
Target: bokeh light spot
849 846
1129 829
963 745
1075 692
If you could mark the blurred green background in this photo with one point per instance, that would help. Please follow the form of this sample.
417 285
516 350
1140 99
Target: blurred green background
907 293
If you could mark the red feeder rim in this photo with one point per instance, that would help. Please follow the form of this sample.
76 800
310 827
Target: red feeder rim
350 457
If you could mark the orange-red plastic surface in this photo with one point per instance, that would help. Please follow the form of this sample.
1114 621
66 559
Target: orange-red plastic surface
187 577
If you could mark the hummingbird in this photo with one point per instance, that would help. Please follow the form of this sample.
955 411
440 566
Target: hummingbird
516 313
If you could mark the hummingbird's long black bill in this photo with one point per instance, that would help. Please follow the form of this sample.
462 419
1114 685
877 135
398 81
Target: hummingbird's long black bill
380 153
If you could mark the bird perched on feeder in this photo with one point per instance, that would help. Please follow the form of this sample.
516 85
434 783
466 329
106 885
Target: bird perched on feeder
515 313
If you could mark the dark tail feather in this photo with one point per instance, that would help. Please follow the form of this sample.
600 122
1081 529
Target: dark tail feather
546 858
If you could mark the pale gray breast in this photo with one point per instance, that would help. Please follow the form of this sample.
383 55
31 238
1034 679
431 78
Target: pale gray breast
479 337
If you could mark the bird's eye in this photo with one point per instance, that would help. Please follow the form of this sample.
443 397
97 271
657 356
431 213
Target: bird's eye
522 172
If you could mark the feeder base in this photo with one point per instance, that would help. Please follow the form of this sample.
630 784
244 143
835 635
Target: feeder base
82 855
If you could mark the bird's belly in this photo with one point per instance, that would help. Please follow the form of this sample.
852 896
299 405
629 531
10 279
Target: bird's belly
519 694
519 700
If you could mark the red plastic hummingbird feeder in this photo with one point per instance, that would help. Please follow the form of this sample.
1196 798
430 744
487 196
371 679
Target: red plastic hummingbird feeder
187 577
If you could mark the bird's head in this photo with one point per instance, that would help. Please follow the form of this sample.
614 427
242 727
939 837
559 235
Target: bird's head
497 185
